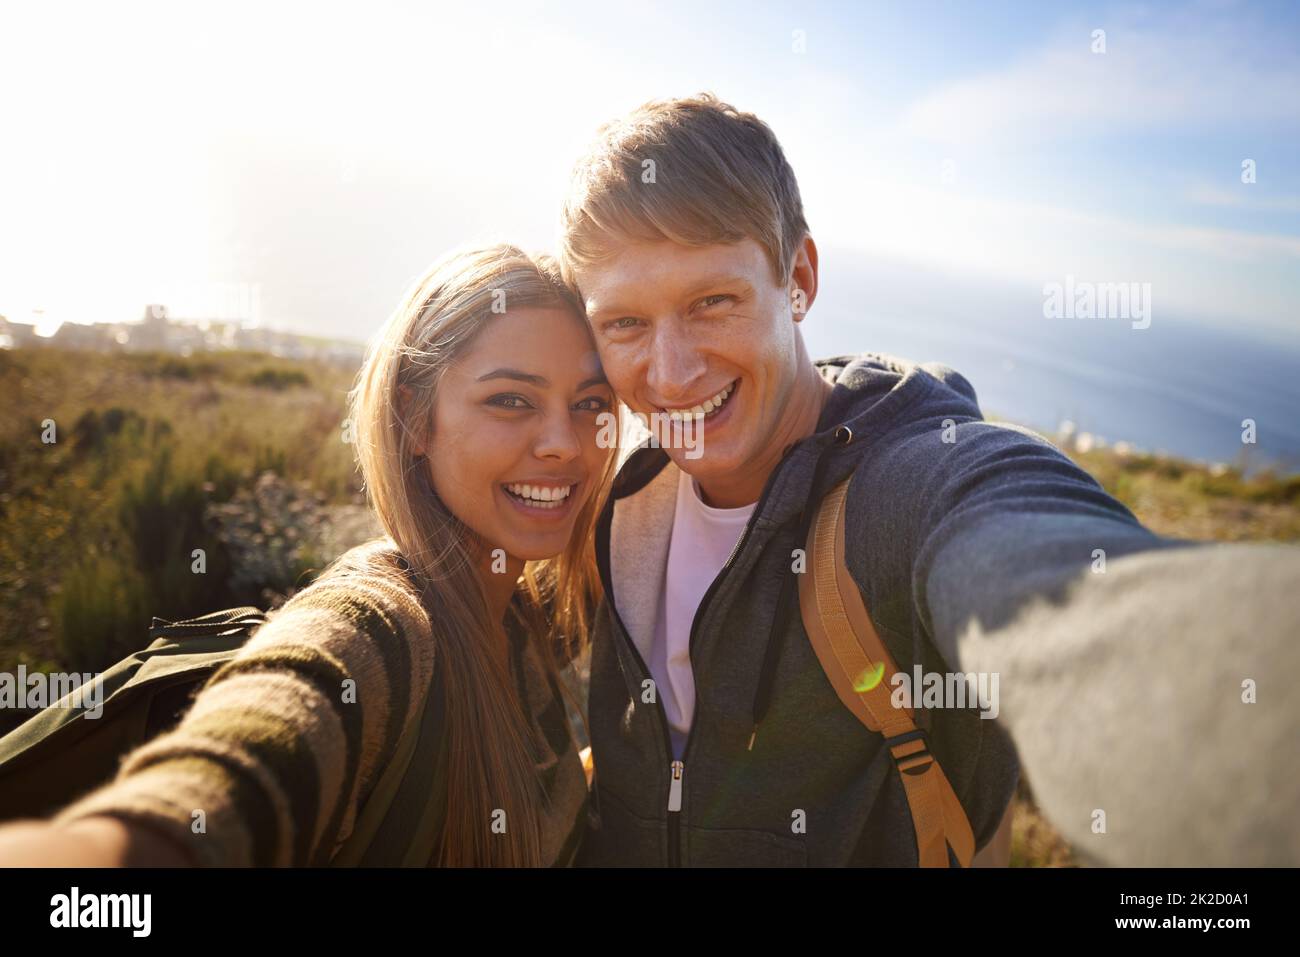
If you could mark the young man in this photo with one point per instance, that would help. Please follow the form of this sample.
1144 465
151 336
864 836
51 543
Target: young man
717 736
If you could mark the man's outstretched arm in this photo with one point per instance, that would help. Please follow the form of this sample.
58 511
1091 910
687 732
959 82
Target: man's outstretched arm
1142 678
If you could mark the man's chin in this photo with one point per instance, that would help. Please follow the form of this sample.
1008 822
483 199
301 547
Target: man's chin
703 466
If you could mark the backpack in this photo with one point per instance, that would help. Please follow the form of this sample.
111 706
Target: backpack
59 754
850 650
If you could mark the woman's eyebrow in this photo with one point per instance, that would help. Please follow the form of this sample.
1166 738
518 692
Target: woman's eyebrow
516 375
537 380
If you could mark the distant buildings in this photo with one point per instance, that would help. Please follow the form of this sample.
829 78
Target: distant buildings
16 335
156 332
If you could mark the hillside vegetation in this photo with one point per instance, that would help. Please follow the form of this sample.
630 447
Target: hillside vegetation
242 455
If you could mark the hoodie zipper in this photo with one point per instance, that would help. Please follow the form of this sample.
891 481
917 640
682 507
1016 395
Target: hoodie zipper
676 768
675 773
675 777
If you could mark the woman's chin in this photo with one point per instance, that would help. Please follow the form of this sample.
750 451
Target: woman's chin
538 547
534 545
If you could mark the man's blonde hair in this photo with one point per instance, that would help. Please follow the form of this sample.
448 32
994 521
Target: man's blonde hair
696 171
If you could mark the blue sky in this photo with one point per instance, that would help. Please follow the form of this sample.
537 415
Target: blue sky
311 159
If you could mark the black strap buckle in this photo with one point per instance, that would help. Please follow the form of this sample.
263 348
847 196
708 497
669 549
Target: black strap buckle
919 761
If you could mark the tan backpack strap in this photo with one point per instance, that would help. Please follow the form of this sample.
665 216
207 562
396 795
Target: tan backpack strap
861 670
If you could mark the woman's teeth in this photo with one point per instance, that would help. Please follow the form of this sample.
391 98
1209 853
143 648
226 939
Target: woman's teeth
541 496
704 409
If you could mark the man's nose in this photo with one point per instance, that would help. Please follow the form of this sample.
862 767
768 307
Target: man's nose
676 366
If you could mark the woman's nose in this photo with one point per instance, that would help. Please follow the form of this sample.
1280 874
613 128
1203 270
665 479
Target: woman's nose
558 439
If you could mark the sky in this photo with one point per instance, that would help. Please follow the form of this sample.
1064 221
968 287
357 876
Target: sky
299 165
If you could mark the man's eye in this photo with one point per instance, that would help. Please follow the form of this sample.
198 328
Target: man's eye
623 322
713 300
509 401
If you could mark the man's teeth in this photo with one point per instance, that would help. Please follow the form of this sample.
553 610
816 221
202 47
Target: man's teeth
704 408
542 496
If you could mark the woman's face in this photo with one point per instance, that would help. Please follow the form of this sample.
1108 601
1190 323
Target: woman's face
514 452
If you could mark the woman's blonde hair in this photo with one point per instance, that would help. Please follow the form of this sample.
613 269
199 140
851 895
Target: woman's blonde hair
490 761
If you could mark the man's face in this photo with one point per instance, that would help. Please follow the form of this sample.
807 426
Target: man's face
704 328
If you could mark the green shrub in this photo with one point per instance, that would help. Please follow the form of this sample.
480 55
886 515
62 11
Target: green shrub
101 612
162 365
277 378
92 430
267 459
162 516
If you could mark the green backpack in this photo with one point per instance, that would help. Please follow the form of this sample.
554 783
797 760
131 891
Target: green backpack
60 754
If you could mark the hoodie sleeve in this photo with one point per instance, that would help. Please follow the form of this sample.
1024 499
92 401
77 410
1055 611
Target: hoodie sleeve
1140 677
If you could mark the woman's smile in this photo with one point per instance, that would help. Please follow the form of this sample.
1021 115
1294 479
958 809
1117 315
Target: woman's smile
542 500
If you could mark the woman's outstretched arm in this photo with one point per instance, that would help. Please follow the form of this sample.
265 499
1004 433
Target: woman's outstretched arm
270 764
100 841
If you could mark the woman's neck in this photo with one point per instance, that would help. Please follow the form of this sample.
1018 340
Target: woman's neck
498 577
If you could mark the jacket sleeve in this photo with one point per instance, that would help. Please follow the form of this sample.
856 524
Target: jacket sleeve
1139 676
270 764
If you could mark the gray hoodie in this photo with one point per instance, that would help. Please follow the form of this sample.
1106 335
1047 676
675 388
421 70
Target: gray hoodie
977 547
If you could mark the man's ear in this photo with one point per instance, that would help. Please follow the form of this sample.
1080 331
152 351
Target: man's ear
803 278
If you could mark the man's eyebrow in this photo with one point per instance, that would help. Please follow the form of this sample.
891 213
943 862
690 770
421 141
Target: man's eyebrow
516 375
713 281
601 311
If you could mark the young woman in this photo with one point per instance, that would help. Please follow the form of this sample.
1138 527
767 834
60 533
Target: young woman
482 426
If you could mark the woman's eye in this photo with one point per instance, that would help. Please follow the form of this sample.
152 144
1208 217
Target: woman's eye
594 404
510 401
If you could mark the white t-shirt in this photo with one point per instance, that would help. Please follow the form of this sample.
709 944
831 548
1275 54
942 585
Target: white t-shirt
701 543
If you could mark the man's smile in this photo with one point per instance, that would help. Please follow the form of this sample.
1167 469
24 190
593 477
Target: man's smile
705 409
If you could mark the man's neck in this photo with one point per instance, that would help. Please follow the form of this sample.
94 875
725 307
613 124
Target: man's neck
807 401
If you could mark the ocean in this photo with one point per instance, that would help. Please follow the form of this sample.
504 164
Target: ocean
1176 387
